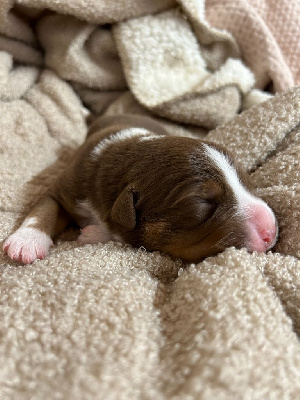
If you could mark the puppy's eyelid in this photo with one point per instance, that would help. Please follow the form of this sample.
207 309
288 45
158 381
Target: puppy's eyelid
203 210
210 210
211 191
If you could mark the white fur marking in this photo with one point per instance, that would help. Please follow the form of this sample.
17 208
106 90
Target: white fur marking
94 229
121 135
27 244
29 222
86 215
244 198
151 137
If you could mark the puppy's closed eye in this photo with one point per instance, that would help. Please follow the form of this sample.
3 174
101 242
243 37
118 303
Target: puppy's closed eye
192 209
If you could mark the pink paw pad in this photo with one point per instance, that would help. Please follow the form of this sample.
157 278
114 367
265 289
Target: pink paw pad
94 234
27 245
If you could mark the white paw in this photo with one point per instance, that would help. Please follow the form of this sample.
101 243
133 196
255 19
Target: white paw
27 245
94 234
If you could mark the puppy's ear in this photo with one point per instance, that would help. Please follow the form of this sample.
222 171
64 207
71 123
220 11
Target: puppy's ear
123 211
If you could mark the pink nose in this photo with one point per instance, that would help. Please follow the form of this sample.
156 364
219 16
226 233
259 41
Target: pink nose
262 227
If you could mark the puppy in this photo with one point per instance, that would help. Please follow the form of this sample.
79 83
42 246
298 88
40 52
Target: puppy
132 182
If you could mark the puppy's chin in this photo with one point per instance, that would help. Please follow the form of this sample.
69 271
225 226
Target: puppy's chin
193 245
197 244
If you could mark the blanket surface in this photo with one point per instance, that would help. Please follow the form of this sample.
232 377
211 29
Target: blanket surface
109 321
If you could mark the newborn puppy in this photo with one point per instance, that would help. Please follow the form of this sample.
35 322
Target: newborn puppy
132 182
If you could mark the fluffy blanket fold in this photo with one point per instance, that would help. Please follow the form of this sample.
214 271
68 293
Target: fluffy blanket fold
113 322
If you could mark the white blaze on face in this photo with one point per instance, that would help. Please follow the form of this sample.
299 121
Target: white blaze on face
260 219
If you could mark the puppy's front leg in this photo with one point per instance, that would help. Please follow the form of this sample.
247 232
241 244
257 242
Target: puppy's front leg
32 240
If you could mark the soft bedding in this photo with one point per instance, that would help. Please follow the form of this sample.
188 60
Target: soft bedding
109 321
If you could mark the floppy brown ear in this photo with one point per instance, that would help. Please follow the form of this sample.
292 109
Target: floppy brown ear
123 211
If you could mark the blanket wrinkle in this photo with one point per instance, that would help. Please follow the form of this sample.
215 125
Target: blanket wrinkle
178 84
16 28
15 82
216 330
18 37
6 5
285 282
86 54
216 44
108 321
100 12
272 49
60 108
265 130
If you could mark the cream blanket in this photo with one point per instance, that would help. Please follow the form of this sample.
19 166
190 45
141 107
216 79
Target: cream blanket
109 321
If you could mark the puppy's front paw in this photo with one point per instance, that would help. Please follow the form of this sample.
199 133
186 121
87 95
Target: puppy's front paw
27 245
94 234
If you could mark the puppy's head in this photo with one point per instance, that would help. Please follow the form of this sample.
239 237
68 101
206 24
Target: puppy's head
186 198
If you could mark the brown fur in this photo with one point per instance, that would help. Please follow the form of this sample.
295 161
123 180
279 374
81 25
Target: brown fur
162 194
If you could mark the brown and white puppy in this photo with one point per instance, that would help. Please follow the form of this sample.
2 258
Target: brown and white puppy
132 182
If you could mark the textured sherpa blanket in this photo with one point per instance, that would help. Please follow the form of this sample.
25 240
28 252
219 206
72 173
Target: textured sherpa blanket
109 321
